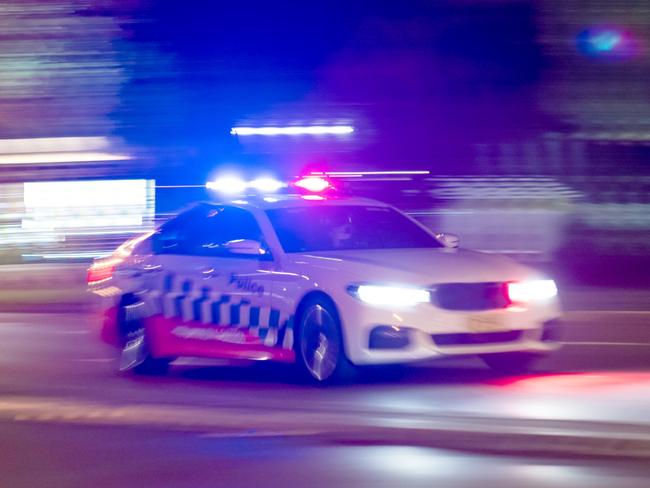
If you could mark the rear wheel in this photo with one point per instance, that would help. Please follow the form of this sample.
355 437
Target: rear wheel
134 354
510 363
319 348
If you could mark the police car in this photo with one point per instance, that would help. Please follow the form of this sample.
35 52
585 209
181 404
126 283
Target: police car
322 280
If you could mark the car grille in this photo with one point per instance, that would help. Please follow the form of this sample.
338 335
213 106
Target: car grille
469 296
466 339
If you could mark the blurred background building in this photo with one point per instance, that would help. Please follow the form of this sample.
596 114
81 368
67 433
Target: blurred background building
532 116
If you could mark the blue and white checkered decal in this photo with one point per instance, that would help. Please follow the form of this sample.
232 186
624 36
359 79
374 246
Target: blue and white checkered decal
179 297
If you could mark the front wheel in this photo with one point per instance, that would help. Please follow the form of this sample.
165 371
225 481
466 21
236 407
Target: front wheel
511 362
319 349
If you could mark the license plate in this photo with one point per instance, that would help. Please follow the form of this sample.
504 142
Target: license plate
485 323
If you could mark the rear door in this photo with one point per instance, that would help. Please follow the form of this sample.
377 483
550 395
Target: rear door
213 302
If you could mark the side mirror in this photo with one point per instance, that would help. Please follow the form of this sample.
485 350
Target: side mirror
450 241
246 247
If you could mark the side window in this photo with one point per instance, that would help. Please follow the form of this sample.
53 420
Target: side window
175 234
222 226
208 231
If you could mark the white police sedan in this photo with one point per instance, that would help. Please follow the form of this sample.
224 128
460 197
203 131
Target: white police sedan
326 282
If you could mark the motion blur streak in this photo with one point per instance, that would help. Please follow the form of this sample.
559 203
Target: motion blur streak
53 144
56 150
577 383
74 219
293 130
370 173
50 158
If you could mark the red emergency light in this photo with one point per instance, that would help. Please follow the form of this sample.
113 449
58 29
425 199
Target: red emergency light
313 184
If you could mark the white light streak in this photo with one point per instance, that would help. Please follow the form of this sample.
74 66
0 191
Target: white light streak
293 130
70 255
371 173
53 144
84 194
60 158
86 205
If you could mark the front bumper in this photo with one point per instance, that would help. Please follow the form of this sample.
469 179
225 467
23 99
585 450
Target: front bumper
374 335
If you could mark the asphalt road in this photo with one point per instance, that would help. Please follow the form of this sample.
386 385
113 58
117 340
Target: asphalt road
41 455
60 354
54 362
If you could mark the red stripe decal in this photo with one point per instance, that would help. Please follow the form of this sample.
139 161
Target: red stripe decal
171 337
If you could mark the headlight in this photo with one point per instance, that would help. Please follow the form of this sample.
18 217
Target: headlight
529 291
390 295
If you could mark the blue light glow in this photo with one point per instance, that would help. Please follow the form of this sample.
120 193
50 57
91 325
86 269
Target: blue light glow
227 184
233 185
607 43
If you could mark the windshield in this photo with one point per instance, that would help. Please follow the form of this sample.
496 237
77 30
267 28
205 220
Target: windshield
341 227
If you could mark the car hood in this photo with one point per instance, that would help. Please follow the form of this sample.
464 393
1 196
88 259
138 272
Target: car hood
417 266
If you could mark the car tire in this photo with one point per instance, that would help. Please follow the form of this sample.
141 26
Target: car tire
510 363
319 347
134 355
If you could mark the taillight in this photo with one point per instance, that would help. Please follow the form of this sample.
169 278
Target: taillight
101 271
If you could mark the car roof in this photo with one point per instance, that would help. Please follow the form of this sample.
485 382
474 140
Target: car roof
293 201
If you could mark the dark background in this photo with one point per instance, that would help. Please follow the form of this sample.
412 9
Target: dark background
501 89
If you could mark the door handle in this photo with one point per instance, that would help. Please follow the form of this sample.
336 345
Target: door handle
208 272
131 273
151 269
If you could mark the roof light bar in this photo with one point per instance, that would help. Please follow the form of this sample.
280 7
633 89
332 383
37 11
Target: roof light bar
293 130
234 185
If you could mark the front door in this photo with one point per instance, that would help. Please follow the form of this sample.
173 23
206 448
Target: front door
213 300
